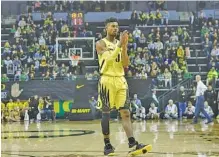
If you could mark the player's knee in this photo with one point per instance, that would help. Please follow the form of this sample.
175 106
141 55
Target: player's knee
125 113
105 123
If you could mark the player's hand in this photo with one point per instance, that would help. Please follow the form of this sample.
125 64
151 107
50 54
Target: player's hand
124 38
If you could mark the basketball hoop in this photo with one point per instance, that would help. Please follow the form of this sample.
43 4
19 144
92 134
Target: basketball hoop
75 60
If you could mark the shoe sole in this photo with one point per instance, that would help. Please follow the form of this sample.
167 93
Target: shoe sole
111 154
143 150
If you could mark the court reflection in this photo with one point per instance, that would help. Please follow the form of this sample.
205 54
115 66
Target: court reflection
170 138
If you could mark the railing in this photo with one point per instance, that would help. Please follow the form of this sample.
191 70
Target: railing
173 93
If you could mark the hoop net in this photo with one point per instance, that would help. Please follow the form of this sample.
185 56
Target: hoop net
75 60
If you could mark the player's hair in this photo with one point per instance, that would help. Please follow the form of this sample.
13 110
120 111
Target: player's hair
111 19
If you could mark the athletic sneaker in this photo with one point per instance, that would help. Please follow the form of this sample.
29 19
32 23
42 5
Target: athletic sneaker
139 147
208 122
108 149
133 144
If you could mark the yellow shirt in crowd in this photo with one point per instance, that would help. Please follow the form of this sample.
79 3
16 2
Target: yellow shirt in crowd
10 106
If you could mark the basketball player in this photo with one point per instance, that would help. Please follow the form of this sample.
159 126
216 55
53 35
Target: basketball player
112 87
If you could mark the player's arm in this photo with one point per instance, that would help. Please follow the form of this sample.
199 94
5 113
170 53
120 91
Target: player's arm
125 57
109 55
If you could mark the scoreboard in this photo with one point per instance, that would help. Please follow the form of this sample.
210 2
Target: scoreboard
77 18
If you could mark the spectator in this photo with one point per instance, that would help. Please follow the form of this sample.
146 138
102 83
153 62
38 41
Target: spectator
202 17
174 67
142 41
132 42
215 35
178 76
158 17
4 78
160 4
167 78
54 76
42 41
89 76
47 76
208 109
140 113
93 106
165 40
23 76
185 36
182 101
192 19
63 70
137 60
190 111
143 18
33 108
192 96
65 30
158 46
183 67
134 17
154 69
210 97
153 112
17 34
204 31
171 111
22 23
136 101
151 47
160 80
16 62
179 32
48 108
17 73
165 66
207 46
215 51
137 34
140 110
165 17
88 29
174 40
12 31
37 65
37 6
180 55
152 18
40 108
212 76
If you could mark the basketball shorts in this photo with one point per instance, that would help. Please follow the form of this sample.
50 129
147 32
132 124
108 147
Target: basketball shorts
112 93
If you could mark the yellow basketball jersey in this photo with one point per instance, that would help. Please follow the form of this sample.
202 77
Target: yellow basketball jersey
2 106
110 67
10 106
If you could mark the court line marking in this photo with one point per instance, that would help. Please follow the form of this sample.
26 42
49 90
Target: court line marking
19 154
70 131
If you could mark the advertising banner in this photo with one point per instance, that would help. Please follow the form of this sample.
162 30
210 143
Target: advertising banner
69 96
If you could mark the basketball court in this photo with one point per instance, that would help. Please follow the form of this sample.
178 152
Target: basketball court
84 139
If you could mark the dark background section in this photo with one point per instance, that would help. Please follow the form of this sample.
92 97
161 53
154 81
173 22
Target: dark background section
66 90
